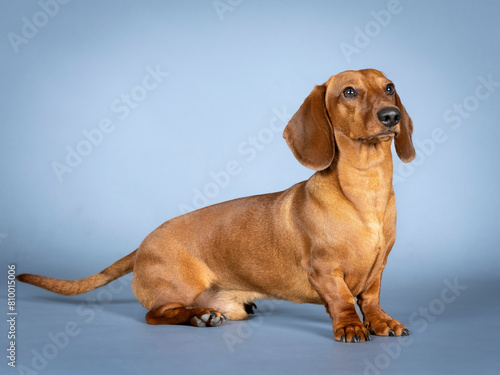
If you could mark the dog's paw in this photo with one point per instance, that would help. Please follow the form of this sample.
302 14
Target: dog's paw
386 327
210 319
353 332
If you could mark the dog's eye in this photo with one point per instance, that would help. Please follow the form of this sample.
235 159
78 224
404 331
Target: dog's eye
390 89
350 92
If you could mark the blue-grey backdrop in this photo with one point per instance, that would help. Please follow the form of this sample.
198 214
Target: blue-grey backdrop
182 89
118 115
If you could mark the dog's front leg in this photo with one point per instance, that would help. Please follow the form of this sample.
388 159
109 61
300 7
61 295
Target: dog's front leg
374 318
339 301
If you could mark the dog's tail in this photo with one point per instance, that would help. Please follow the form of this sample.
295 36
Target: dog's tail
74 287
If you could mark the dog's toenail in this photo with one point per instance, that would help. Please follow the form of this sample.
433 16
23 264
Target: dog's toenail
215 322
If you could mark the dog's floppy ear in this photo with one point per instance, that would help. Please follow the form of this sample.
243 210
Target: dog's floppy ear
403 142
309 134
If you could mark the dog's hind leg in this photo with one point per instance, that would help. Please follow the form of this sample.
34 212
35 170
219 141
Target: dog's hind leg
173 304
176 313
168 288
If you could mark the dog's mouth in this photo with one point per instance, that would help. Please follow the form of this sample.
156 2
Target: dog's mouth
384 136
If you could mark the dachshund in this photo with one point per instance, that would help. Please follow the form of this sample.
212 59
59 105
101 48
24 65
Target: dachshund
323 241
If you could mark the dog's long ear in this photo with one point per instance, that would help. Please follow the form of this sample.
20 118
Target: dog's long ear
403 142
309 134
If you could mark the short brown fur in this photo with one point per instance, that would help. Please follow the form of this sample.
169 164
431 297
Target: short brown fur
325 240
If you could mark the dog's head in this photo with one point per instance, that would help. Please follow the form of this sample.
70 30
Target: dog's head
363 105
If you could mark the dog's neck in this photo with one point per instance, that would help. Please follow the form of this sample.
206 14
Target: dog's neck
365 157
361 171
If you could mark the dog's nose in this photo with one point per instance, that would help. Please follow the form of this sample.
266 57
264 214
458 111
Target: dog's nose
389 116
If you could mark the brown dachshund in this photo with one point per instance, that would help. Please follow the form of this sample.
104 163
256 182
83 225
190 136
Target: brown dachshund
324 240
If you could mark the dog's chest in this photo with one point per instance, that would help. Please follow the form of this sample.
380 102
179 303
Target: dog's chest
367 248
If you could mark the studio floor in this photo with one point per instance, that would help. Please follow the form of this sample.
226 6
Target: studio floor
454 325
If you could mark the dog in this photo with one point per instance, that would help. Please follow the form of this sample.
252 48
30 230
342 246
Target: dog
323 241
